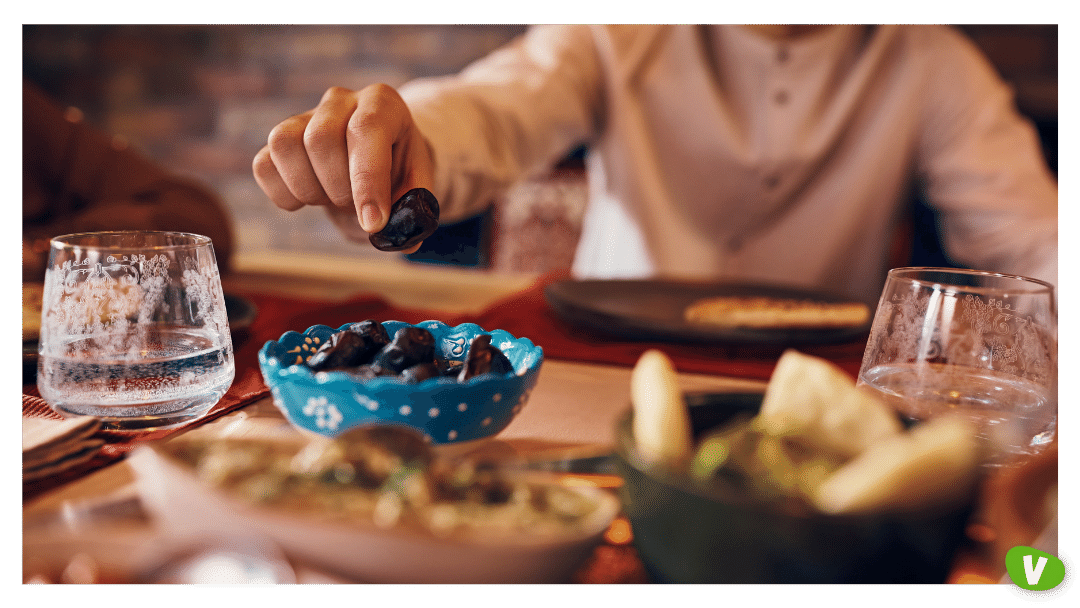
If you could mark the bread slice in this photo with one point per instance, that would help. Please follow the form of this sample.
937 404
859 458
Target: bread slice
762 312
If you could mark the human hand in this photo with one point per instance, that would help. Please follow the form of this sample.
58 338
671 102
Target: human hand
357 151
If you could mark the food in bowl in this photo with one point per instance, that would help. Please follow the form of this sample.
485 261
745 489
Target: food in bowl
817 438
771 312
806 483
716 530
367 351
376 504
446 381
931 466
388 476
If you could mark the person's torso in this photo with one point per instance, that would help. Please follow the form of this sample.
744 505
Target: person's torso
727 155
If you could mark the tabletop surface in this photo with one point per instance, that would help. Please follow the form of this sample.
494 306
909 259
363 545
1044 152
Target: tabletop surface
572 412
448 289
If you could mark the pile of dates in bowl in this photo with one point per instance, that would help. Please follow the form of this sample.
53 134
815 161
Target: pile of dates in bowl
453 384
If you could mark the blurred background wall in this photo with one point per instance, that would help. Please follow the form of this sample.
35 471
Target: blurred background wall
201 100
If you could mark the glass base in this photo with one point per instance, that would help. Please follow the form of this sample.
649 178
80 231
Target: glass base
144 417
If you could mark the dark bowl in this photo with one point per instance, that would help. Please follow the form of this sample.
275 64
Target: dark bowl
692 532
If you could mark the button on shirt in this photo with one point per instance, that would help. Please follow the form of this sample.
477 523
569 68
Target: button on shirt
717 153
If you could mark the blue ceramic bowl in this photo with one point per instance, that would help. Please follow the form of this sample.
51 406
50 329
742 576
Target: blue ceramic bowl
447 411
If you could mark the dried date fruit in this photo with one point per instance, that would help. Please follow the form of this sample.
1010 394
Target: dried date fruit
355 346
449 368
420 372
373 332
365 351
343 349
413 218
411 345
364 373
483 358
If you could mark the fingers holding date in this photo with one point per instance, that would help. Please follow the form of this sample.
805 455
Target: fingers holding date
413 218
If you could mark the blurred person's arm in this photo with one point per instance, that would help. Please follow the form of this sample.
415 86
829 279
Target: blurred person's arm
78 179
984 168
514 113
465 137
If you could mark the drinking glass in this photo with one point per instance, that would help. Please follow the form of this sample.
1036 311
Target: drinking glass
977 343
134 329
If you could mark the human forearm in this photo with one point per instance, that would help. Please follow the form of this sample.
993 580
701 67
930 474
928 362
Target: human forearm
511 114
985 171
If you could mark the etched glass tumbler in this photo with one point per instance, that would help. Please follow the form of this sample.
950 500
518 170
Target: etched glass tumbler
977 343
134 329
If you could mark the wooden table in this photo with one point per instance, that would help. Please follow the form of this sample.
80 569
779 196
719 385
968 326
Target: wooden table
410 285
572 411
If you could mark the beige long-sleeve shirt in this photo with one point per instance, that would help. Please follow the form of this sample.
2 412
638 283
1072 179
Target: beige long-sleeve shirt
717 153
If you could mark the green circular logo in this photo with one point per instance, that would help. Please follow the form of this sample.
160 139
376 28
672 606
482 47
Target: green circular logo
1034 570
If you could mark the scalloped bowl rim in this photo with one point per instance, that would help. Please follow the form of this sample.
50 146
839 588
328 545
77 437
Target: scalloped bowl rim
302 373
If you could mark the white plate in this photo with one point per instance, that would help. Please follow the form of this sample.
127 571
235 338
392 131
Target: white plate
182 505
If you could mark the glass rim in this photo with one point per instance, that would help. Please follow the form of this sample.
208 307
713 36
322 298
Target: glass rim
911 273
69 241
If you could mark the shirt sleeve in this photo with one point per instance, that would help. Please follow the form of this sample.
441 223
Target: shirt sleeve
983 166
510 114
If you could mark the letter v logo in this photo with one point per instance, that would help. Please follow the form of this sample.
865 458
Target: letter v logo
1033 574
1034 570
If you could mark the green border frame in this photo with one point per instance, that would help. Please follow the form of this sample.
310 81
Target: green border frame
550 11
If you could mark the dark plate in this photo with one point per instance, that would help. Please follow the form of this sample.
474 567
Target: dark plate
653 310
241 312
